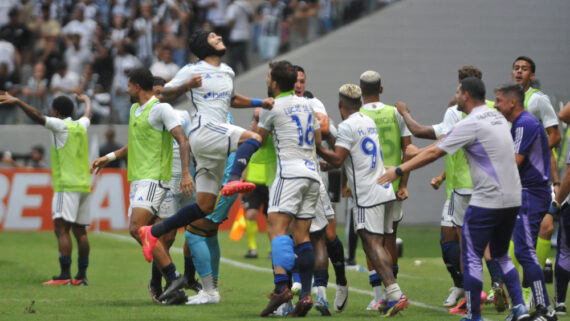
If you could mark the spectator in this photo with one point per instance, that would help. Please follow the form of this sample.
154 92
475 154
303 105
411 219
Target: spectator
79 59
216 14
7 83
36 89
34 160
164 67
110 146
64 81
239 17
143 29
122 63
271 14
176 27
80 25
119 32
5 6
46 33
102 59
101 105
10 57
18 34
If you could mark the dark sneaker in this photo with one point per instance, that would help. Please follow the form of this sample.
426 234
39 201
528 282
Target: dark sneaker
303 306
58 280
172 287
179 297
251 254
155 291
234 187
275 300
193 285
560 309
544 314
78 282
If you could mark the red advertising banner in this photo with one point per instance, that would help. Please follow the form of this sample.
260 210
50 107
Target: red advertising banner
26 197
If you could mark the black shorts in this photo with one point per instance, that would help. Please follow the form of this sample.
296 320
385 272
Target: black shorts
259 196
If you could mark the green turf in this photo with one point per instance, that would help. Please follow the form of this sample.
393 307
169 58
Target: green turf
118 276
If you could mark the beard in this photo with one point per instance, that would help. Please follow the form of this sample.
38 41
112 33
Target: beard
134 99
220 53
270 92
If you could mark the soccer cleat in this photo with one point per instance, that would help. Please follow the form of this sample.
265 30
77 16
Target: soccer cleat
455 295
500 299
544 314
204 297
193 285
155 291
148 242
296 288
284 309
322 306
483 296
393 307
172 287
275 300
560 309
303 306
251 254
178 298
341 297
58 280
375 305
234 187
490 297
467 319
518 313
461 307
78 282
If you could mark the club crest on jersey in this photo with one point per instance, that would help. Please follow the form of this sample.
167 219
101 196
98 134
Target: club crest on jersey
310 164
207 76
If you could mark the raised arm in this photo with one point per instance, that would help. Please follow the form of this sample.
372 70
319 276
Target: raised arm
88 110
240 101
34 114
170 93
416 128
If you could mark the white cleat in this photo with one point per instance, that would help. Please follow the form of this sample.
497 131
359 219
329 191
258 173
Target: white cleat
284 309
454 297
204 298
374 305
296 288
341 297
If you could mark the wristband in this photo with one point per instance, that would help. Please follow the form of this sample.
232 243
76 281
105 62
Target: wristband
399 171
111 156
256 102
554 208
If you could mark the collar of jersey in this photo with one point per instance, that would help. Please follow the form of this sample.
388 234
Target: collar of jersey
286 93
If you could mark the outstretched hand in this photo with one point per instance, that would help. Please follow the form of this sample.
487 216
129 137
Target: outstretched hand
98 164
82 97
6 98
402 107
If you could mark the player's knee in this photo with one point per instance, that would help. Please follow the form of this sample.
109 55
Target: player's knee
134 231
283 253
256 136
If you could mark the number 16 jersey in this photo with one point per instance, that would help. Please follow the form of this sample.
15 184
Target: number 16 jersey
364 163
292 123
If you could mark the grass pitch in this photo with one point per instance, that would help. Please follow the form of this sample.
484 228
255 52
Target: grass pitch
118 277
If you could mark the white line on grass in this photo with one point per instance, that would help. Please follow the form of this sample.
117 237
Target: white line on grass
262 269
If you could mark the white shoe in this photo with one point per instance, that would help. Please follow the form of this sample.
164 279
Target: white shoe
341 297
296 288
204 298
374 305
284 309
454 297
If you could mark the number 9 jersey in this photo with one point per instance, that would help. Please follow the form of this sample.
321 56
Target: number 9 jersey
364 163
292 123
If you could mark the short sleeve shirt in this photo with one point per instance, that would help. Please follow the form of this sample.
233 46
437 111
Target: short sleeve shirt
59 129
451 117
540 107
530 140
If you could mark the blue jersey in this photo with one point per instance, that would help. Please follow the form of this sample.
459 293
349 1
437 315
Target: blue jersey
531 141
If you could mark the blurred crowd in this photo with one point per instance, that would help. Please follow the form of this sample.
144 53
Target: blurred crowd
57 47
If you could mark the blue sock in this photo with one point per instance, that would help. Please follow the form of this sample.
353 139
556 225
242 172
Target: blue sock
200 253
494 270
374 279
321 278
189 269
451 257
395 269
336 254
156 276
306 261
281 281
170 272
243 154
215 254
64 265
296 274
82 264
183 217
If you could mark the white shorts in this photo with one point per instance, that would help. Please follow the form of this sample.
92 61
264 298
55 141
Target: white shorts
458 206
446 215
324 211
295 196
372 219
147 194
211 144
393 211
72 207
174 199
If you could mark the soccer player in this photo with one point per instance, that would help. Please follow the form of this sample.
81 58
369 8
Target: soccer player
209 85
538 104
394 138
496 199
358 147
533 159
151 123
295 192
71 181
458 190
334 247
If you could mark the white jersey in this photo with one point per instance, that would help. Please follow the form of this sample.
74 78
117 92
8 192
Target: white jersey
364 164
540 107
184 119
292 123
212 100
451 117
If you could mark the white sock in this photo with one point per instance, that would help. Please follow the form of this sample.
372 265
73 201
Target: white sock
208 283
322 292
377 293
393 292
